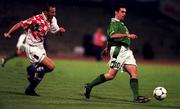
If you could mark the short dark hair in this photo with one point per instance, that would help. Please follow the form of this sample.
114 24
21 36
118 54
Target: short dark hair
117 7
46 8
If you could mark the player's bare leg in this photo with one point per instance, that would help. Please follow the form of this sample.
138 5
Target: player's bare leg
15 54
5 59
48 63
132 71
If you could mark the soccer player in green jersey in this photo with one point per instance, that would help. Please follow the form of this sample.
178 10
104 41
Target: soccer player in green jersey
121 57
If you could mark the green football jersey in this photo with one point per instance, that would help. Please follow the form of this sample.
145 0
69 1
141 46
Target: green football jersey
116 26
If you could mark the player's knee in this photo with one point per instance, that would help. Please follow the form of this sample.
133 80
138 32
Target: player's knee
134 75
51 68
109 77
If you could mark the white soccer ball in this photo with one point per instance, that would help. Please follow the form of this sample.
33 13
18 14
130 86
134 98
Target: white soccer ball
160 93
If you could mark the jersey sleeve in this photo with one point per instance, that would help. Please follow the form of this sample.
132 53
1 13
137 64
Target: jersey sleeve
26 23
113 28
54 26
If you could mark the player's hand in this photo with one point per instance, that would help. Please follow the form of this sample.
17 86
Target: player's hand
132 36
7 35
62 30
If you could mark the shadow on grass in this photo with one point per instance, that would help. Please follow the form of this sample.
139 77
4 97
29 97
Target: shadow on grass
12 92
114 101
163 106
107 100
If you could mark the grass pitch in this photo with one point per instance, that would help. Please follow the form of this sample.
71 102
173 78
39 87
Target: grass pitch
63 88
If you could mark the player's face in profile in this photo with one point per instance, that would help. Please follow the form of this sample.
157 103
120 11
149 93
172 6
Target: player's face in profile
51 12
121 13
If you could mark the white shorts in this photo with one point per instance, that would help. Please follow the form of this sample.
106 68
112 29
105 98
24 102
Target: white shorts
35 53
119 56
21 42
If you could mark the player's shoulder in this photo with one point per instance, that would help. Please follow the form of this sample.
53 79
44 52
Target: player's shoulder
39 16
54 19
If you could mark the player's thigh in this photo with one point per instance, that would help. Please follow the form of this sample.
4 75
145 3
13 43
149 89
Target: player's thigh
48 63
111 73
21 41
132 70
130 64
117 62
129 58
35 54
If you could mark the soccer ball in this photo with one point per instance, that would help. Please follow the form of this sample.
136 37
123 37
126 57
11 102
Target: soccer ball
160 93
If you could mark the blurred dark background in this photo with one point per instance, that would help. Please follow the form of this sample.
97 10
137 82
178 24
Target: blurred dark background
156 22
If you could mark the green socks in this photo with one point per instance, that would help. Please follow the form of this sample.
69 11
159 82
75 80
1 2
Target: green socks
134 87
100 79
133 84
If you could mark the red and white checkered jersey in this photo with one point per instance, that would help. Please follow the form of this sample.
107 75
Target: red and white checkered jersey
37 28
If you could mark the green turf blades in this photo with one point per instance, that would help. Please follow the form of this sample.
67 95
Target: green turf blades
63 88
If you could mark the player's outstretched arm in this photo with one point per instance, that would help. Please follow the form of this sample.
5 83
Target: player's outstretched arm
119 35
132 36
12 30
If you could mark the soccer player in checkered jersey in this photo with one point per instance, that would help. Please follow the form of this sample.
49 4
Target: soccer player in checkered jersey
20 49
36 29
121 57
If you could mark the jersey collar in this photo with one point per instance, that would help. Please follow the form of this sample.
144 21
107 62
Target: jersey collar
115 20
